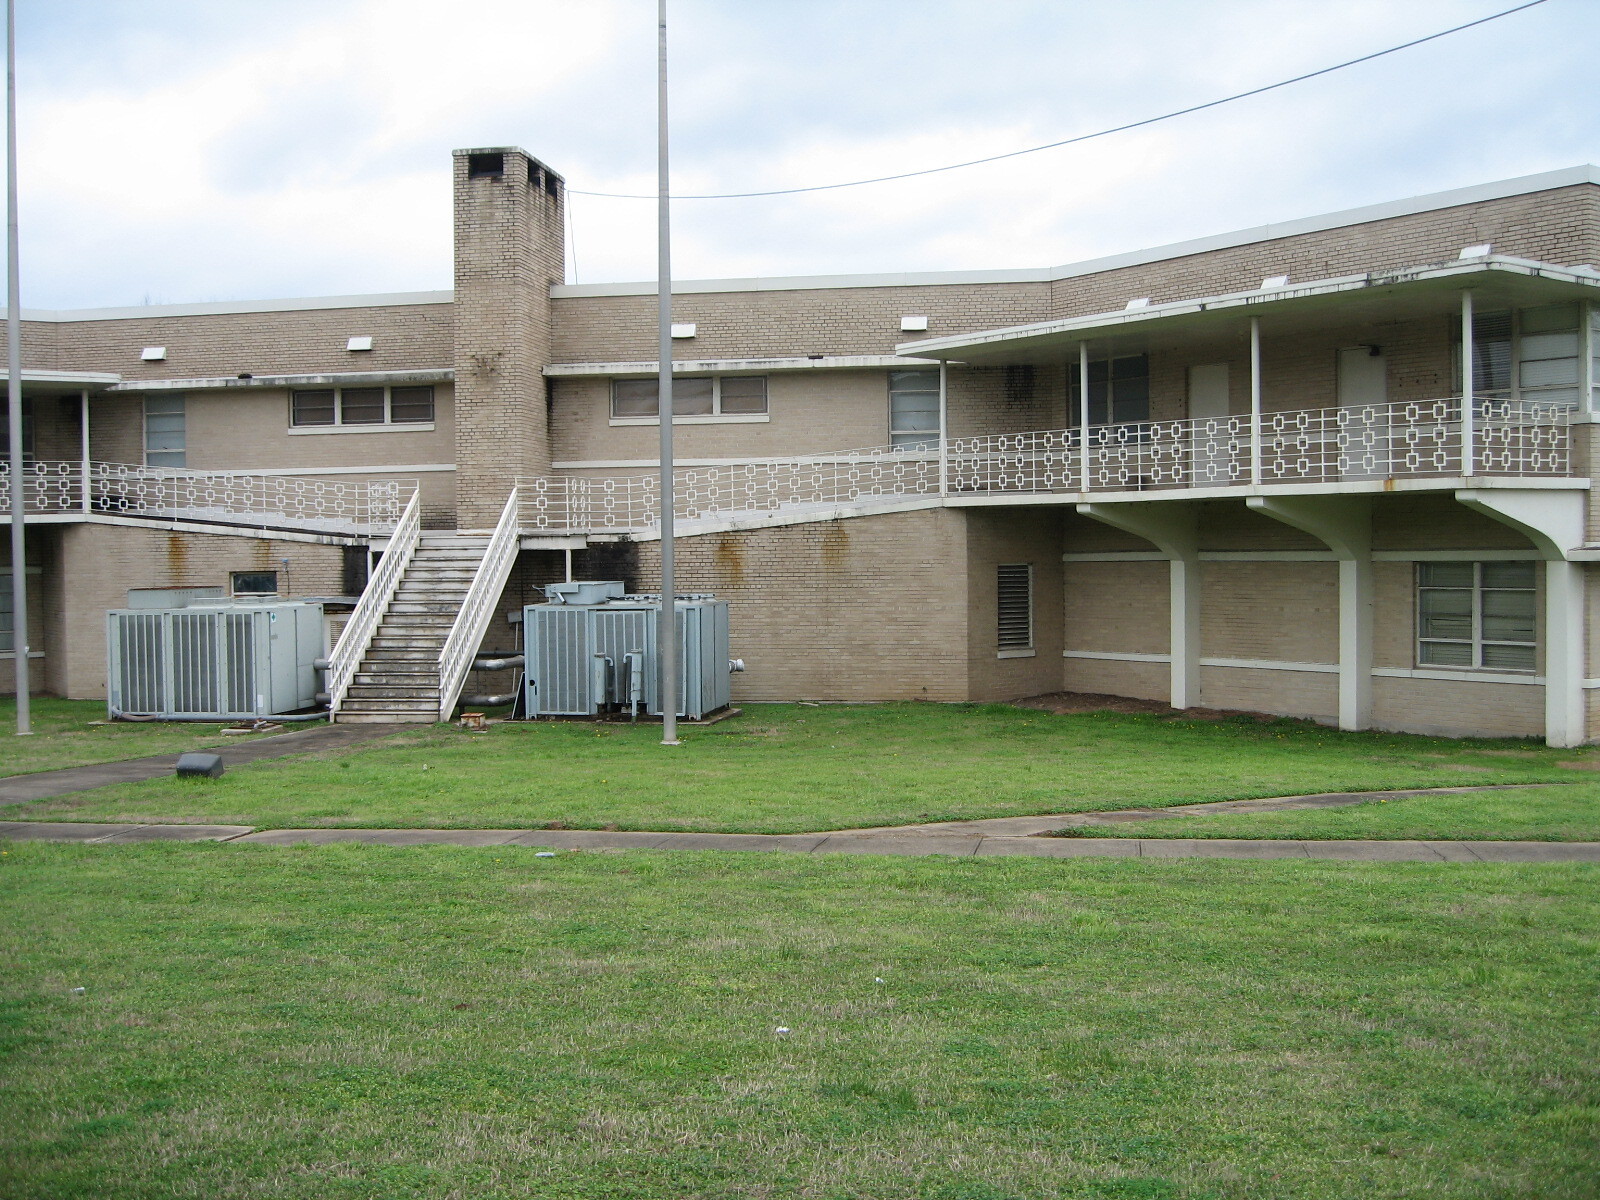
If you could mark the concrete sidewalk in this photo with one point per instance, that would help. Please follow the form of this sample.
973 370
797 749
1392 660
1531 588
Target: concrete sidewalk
20 789
901 842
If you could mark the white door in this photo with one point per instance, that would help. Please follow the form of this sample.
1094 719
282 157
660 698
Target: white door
1214 439
1362 445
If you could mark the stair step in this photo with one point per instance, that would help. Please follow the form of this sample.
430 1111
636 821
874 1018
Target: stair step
368 704
362 693
401 642
386 718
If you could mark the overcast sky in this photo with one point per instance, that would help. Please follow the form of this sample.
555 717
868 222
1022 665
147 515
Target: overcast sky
187 150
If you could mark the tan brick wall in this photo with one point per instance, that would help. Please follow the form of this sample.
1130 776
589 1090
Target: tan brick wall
1016 536
1458 708
405 337
872 608
1282 693
1122 608
104 561
1560 226
1283 612
509 251
1143 681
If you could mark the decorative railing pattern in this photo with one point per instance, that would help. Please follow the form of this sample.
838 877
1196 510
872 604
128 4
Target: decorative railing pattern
275 501
478 607
375 597
1411 439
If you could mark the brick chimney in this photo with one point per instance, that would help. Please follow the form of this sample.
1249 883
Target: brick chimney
510 239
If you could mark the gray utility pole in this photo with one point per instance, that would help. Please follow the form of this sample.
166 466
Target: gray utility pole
667 621
19 556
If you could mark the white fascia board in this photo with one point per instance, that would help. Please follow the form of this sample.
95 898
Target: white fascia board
331 379
144 312
1429 202
85 379
686 366
1101 324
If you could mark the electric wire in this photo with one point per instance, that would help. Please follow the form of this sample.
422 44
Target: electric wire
1082 137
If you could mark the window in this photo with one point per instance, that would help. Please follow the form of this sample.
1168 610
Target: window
165 438
1526 354
254 583
1014 591
914 410
361 406
1476 614
5 430
1119 391
8 622
705 396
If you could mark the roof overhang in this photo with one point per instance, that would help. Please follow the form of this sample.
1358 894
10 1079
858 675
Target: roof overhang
1497 281
66 383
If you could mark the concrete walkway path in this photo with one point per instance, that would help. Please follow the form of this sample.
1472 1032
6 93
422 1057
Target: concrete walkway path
20 789
911 841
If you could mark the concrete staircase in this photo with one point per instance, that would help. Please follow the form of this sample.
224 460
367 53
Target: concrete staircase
398 679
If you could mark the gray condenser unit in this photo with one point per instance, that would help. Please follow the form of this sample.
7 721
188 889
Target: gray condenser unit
598 654
213 660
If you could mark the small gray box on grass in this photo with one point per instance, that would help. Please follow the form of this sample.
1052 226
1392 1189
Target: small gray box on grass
196 765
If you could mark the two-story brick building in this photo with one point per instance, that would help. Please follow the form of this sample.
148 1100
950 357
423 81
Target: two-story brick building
1338 468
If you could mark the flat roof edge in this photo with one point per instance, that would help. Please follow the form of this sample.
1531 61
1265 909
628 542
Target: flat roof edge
1452 198
229 307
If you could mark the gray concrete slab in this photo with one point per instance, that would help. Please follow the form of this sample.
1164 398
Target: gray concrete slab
382 837
796 843
883 844
1347 851
59 831
1452 851
1045 847
1537 851
180 833
1218 848
20 789
585 839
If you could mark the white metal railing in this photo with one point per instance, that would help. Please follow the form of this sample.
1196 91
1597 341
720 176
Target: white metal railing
1408 439
329 504
375 597
478 607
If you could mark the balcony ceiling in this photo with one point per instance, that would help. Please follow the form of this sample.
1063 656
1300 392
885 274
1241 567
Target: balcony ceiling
1358 302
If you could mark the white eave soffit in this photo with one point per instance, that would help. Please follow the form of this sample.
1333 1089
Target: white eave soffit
1453 276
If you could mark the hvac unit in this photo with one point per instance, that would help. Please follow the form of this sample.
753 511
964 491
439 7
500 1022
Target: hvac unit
584 659
213 660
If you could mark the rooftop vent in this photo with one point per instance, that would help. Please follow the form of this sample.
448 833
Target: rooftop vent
1141 302
1478 251
685 331
359 343
916 324
154 354
1274 281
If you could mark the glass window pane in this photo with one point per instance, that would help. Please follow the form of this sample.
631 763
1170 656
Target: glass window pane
691 397
1134 367
634 398
1445 574
1445 614
744 394
361 406
918 421
165 458
1508 575
913 441
1445 654
1550 372
409 404
1508 616
313 408
1549 317
1509 658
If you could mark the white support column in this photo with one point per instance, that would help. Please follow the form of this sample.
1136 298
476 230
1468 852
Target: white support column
1563 653
1469 415
83 422
944 429
1344 525
1255 401
1083 411
1171 526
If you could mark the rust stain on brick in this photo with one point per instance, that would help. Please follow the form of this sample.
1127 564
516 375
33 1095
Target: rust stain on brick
177 557
835 548
727 555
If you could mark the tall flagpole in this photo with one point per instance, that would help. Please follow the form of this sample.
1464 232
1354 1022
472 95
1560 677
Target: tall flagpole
667 619
19 557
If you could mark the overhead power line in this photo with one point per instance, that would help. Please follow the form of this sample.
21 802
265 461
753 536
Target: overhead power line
1082 137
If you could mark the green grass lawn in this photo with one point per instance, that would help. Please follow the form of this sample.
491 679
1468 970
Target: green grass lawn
795 768
73 733
1568 813
352 1022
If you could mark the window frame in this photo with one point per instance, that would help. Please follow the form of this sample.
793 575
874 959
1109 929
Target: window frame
1010 641
1515 365
1106 400
1475 641
901 437
715 417
178 406
235 592
387 425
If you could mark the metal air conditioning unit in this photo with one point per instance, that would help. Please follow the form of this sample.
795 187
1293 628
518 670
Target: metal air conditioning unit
584 659
223 660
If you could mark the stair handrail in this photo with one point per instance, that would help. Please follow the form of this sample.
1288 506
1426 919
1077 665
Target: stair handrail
358 631
477 607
